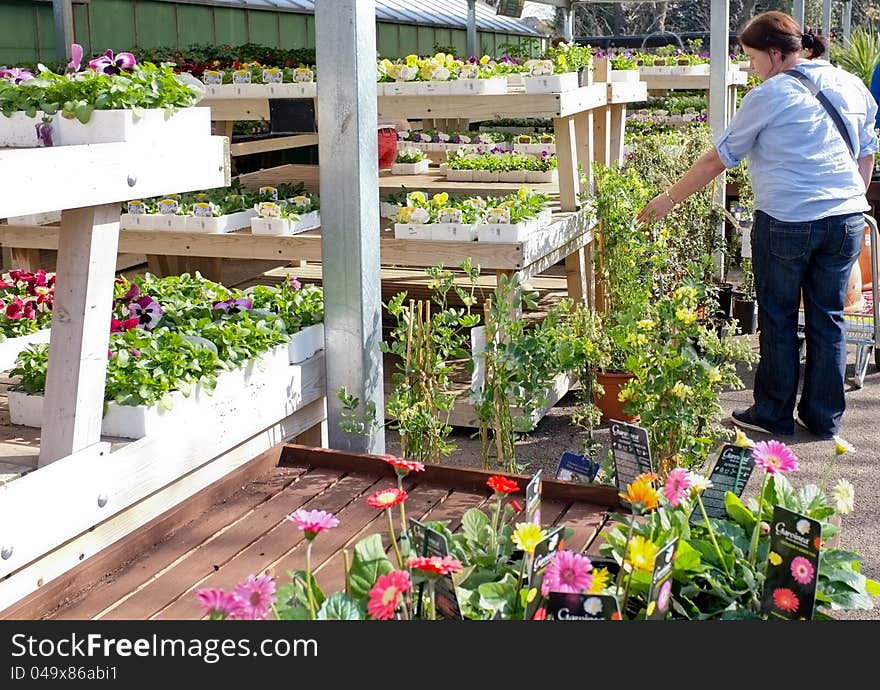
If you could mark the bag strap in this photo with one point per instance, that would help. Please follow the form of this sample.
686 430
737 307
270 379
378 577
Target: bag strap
830 109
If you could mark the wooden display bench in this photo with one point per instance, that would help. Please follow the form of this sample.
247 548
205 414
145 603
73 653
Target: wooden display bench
698 82
249 508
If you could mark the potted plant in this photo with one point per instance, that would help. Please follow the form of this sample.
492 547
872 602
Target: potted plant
410 161
745 308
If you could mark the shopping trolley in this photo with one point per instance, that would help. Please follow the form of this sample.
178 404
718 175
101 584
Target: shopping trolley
862 327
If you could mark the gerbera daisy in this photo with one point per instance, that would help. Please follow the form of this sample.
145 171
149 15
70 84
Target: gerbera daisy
386 593
313 522
568 572
699 482
387 498
642 495
677 486
502 485
434 565
785 600
775 457
842 446
527 535
642 553
255 597
663 596
402 466
843 494
802 570
218 604
601 580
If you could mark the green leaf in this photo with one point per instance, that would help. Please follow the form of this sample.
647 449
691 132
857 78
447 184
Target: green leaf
472 524
872 587
83 112
339 607
738 512
368 564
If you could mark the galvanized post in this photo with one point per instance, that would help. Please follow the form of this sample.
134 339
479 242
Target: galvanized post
798 11
345 33
719 68
847 21
826 18
568 23
472 28
63 13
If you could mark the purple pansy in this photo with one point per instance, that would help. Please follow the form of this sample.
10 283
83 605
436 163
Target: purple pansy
76 54
16 75
44 133
108 64
234 306
147 311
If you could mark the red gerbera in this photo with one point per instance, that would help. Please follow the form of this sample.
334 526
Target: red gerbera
502 485
435 565
387 498
402 464
785 600
540 614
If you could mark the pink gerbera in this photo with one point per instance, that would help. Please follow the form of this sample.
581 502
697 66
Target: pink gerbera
677 486
255 597
802 570
435 565
386 498
569 573
785 600
386 593
403 466
775 457
313 522
218 604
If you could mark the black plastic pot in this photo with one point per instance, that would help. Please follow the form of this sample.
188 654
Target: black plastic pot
745 311
725 299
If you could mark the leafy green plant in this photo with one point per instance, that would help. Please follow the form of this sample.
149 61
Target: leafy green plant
410 156
31 365
860 54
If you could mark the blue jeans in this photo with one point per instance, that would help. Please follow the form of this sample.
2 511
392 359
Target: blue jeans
816 257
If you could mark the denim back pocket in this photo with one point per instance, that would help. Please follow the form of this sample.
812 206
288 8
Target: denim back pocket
851 243
789 240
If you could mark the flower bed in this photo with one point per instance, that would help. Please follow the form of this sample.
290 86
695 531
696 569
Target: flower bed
26 301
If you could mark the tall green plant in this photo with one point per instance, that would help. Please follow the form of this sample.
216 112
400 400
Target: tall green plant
860 54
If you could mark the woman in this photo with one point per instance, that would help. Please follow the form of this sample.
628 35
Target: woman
809 199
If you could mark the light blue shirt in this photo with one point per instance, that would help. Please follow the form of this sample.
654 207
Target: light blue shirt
800 166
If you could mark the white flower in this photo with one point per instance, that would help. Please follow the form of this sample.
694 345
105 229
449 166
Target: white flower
842 446
802 526
468 71
268 209
593 606
699 482
844 497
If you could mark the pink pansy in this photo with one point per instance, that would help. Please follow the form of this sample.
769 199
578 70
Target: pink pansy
255 597
775 457
110 64
677 486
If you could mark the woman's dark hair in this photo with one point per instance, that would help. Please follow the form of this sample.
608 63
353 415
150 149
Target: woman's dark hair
779 30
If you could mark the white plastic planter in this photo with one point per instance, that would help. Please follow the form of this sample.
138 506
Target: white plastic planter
151 126
542 177
36 218
478 87
284 90
285 226
19 130
509 233
419 168
512 176
403 88
170 222
433 88
459 175
11 347
485 176
515 80
623 75
453 232
305 343
228 223
221 90
554 83
251 90
412 231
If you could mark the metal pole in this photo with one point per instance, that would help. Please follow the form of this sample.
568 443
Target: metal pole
847 20
63 12
826 18
472 28
345 39
798 11
568 24
719 67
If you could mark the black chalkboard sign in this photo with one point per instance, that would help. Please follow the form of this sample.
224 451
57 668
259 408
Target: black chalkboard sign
661 583
582 607
429 542
510 8
291 115
540 560
792 566
632 454
731 473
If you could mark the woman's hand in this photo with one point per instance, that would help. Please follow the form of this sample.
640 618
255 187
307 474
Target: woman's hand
656 209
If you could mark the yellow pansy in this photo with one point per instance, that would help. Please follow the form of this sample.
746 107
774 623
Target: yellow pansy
417 197
412 60
485 59
527 535
561 61
681 390
440 57
642 553
440 199
743 441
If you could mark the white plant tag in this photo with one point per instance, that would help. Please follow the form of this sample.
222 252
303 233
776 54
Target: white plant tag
212 77
137 207
273 75
241 76
168 207
203 210
272 192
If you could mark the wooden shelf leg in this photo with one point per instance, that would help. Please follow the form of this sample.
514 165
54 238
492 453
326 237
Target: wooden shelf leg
567 159
602 135
25 259
583 130
618 123
74 404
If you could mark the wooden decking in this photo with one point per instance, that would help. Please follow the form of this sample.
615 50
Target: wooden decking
245 532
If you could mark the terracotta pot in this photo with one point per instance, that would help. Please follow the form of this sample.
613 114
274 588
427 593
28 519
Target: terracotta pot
609 402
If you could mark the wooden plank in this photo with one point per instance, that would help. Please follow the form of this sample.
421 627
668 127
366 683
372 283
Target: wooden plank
463 479
107 173
131 473
586 520
71 554
583 132
627 92
618 124
26 259
691 82
593 546
343 499
226 510
77 368
220 548
274 144
566 156
226 109
602 136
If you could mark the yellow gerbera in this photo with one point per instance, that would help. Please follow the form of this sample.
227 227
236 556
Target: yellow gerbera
527 535
642 553
601 580
774 558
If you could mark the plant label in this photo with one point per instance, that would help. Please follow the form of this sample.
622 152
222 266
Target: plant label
574 467
661 583
241 76
541 558
793 566
212 77
168 207
533 499
430 542
582 607
273 75
203 210
137 207
731 473
632 454
271 192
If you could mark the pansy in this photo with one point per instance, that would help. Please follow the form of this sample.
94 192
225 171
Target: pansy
234 306
147 311
15 75
120 326
110 64
76 54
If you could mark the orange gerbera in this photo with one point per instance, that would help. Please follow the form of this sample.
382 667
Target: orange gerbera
502 485
386 498
642 495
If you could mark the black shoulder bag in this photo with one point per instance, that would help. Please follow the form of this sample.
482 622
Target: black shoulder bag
830 109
